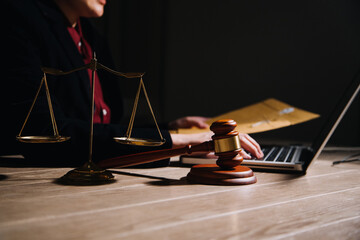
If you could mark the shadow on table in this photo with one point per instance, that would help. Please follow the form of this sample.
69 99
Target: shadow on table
287 175
3 177
18 161
160 181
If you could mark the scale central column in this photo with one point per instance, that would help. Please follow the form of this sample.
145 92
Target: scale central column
89 173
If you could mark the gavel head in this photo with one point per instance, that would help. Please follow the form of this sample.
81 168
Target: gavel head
226 143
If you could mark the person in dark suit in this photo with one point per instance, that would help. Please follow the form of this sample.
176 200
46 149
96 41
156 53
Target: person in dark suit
57 34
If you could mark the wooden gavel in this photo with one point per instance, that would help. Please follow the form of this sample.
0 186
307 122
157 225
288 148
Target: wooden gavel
225 143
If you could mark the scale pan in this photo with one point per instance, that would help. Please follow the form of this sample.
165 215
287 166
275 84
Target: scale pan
42 139
139 141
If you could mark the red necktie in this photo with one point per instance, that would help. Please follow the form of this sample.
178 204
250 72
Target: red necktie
102 111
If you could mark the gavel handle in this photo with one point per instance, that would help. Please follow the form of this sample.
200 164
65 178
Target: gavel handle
152 156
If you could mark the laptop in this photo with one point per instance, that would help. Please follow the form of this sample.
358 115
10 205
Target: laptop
296 158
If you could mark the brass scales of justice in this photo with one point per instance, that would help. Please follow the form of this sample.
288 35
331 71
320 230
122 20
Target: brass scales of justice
90 173
225 143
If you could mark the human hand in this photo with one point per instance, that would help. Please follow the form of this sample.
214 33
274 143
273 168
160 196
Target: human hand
246 142
249 144
181 140
188 122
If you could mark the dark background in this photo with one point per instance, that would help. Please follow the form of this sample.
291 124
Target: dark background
210 57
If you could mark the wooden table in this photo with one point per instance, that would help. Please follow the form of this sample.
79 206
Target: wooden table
159 204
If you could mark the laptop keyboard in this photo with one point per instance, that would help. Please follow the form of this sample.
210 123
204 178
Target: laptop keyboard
278 154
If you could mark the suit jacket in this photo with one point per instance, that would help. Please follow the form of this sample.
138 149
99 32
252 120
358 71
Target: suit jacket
36 36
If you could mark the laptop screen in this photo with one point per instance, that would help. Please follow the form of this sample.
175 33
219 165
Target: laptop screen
337 114
316 133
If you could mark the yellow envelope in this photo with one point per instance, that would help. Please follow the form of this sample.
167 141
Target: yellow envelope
263 116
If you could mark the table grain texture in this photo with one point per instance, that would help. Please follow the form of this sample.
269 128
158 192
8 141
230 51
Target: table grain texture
158 203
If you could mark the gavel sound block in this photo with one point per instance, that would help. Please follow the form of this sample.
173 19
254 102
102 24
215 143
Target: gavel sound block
226 145
227 170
